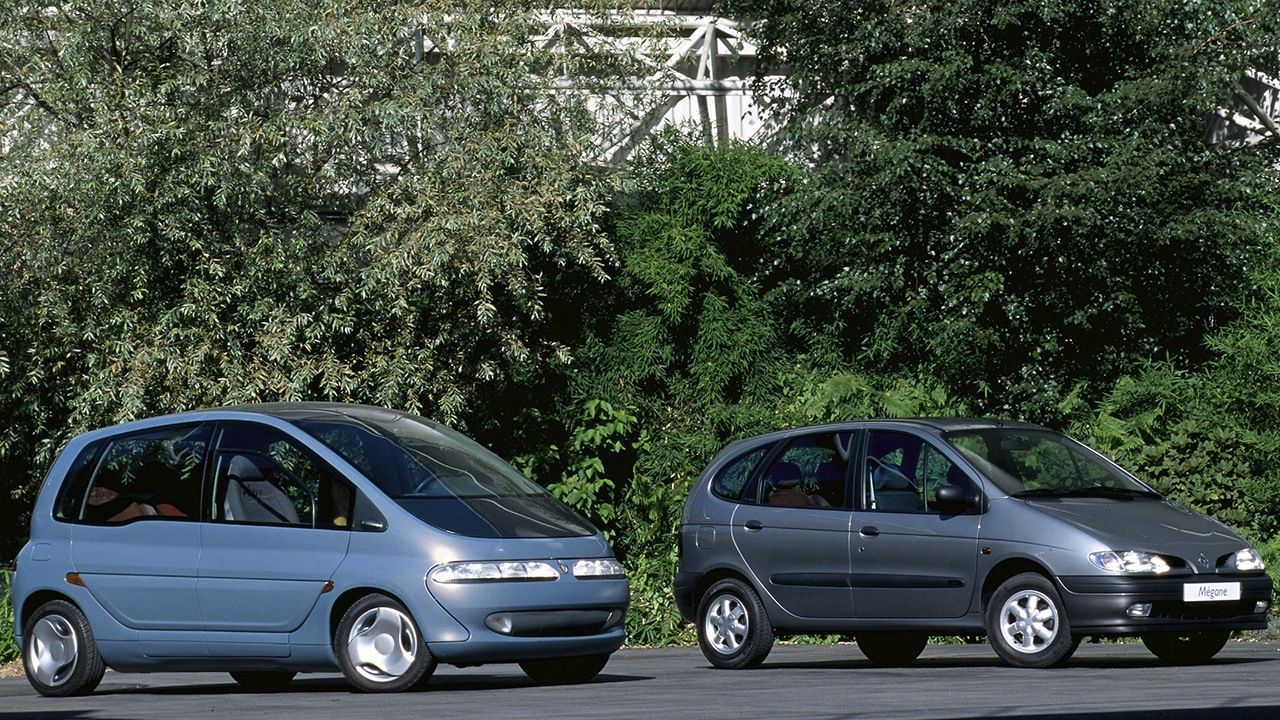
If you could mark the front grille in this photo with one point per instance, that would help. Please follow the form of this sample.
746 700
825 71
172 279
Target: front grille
1179 610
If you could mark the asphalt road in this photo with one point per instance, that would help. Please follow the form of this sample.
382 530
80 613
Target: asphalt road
1106 682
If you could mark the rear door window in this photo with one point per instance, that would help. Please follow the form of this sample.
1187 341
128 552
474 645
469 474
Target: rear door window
811 471
152 475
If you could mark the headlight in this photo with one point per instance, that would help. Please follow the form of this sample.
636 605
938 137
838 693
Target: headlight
1246 560
600 568
478 572
1129 561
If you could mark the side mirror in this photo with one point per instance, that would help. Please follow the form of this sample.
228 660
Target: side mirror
952 499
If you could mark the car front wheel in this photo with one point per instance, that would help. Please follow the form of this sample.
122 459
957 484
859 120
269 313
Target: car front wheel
1189 648
733 630
1027 623
380 648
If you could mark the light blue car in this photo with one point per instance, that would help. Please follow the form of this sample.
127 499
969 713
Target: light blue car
269 540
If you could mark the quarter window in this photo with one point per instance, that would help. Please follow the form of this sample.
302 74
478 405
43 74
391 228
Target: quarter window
731 481
154 475
810 472
264 477
904 472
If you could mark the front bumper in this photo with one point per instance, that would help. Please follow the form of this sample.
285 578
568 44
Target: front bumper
512 621
1097 605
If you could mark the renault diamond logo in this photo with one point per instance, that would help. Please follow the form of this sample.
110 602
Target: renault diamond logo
563 568
1204 562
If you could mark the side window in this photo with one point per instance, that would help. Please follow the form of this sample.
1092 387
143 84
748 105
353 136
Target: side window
810 472
732 479
904 472
154 475
264 477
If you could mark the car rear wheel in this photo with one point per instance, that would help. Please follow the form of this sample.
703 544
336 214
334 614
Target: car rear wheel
58 651
733 630
564 671
1186 648
263 680
380 648
1027 623
892 649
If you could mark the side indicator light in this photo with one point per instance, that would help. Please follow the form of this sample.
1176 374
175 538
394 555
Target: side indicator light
74 579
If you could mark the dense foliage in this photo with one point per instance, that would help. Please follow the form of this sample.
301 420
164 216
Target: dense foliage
972 208
217 202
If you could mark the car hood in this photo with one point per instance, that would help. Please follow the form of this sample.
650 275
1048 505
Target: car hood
1145 524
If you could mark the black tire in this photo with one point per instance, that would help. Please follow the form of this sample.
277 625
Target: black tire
407 664
263 680
58 651
1024 646
1191 648
564 671
742 644
892 649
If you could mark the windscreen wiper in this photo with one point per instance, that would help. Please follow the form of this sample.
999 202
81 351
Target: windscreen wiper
1106 491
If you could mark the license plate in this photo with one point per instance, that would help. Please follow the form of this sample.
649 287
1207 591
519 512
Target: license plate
1209 592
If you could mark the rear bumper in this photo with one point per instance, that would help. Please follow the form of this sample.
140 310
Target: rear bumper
686 603
1098 605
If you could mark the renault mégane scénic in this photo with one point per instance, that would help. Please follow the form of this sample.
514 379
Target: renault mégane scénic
893 531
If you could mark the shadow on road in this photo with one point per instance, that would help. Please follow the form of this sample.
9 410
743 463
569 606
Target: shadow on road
1117 663
446 683
1259 712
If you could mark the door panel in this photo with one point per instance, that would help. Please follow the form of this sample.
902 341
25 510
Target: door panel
917 566
908 557
799 556
143 573
264 579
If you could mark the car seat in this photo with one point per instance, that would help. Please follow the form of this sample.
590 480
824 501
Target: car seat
252 498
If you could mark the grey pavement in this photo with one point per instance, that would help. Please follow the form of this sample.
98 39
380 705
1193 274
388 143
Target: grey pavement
1103 681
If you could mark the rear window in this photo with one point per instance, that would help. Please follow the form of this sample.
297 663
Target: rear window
443 477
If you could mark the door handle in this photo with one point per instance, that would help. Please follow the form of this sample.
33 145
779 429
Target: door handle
870 530
754 525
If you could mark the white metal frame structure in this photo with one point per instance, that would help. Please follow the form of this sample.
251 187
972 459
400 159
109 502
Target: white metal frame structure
1253 115
700 72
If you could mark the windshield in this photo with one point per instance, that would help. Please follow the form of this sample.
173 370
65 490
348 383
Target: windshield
1041 463
444 477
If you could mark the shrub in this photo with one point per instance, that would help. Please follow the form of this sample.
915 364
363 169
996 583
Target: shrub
8 648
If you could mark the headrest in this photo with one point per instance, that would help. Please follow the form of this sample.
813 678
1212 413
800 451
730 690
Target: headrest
888 477
829 472
243 469
784 474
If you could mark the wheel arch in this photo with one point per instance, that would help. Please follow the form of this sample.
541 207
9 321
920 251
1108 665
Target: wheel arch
350 597
1008 568
715 575
34 601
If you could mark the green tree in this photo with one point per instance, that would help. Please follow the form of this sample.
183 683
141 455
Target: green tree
1015 197
213 202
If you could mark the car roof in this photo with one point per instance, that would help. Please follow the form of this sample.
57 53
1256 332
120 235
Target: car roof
936 425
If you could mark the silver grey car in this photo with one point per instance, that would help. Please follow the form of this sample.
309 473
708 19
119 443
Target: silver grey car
893 531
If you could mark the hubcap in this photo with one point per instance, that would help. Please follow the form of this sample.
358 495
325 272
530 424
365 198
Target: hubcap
1028 621
382 644
726 624
52 650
